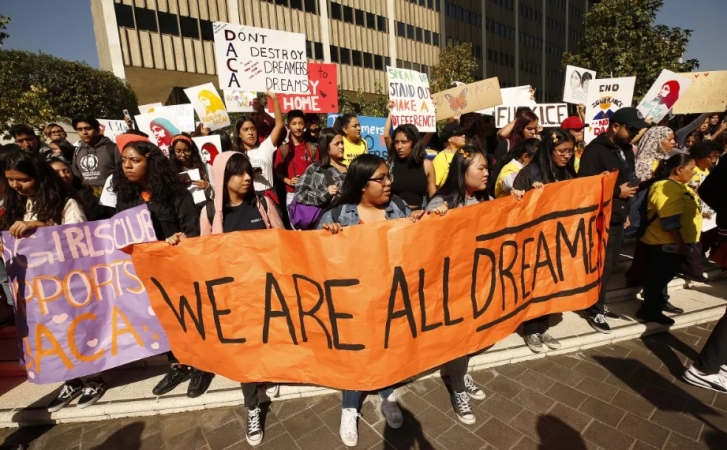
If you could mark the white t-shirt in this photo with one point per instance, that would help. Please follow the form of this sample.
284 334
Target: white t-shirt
262 157
72 212
108 197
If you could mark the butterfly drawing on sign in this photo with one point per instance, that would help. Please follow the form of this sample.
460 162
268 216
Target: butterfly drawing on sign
458 102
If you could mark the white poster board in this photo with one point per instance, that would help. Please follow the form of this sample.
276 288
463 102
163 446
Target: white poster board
239 101
549 114
605 97
664 93
160 127
197 193
514 96
149 108
409 90
183 116
209 106
113 128
259 59
209 147
577 80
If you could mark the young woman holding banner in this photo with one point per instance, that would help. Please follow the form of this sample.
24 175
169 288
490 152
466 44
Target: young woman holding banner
366 198
466 185
354 145
36 197
549 165
145 177
261 154
414 177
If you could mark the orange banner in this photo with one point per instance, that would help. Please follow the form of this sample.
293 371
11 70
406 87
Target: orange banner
378 303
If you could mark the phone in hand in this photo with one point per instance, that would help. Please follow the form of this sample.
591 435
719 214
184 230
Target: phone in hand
126 114
634 183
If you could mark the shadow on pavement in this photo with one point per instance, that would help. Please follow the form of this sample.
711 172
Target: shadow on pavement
409 436
125 438
554 433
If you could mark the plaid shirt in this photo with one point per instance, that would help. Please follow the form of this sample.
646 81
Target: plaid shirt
312 188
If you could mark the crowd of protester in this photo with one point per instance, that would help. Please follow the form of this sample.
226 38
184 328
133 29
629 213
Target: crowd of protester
292 173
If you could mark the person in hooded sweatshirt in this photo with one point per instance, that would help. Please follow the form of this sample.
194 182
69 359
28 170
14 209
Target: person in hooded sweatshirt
96 156
237 207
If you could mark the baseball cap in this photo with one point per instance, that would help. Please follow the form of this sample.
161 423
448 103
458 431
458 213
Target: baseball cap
450 130
572 123
631 117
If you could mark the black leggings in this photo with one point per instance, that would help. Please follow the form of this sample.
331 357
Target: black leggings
457 369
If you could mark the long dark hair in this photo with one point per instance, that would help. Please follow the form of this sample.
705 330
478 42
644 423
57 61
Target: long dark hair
67 149
195 157
77 183
454 189
343 121
521 123
528 146
225 140
543 158
236 139
163 180
238 164
418 152
667 166
50 199
359 173
325 138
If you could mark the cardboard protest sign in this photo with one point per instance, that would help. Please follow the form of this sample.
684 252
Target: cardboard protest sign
605 97
160 127
707 93
208 104
113 128
372 131
550 114
322 92
664 93
209 147
149 108
182 116
400 309
239 101
467 98
577 81
80 308
259 59
514 96
409 90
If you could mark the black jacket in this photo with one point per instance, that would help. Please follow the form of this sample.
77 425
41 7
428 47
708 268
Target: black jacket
712 191
602 155
180 216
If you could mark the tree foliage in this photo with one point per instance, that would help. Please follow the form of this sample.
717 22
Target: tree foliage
345 105
373 105
455 64
4 21
622 40
68 88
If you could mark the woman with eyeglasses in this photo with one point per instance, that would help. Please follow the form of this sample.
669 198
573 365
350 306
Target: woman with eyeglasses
185 157
575 126
549 165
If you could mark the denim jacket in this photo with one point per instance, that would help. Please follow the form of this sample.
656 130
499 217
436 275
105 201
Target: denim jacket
396 209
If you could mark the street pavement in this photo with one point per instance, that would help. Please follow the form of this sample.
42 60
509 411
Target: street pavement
627 396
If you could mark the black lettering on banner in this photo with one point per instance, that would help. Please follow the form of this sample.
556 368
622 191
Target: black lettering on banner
311 312
270 284
506 272
216 313
448 321
422 306
543 245
476 311
561 235
184 304
524 266
335 317
399 279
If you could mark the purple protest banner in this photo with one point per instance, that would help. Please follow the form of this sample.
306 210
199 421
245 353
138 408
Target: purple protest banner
80 308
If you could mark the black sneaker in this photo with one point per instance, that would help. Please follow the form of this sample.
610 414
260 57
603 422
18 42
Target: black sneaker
472 389
672 309
177 374
198 383
462 408
69 391
598 323
92 391
254 431
609 314
658 317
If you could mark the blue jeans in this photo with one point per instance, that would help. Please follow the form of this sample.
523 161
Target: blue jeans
663 267
352 399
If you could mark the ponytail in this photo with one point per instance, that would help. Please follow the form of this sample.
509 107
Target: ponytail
667 166
342 121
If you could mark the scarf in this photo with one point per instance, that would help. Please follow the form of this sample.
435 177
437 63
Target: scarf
650 150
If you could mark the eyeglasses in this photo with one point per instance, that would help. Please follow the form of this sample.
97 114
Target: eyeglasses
380 180
54 132
565 152
183 152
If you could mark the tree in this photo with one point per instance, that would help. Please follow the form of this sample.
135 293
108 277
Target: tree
455 64
345 106
4 21
622 40
68 88
373 105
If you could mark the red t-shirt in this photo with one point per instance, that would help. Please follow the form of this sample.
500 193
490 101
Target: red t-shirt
298 159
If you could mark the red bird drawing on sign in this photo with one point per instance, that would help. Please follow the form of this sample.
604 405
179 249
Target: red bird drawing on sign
458 102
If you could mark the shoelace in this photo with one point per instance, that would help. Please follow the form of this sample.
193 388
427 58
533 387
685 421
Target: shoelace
253 421
462 401
90 389
349 420
599 318
468 383
67 391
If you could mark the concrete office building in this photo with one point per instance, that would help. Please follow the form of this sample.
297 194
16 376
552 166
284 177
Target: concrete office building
163 46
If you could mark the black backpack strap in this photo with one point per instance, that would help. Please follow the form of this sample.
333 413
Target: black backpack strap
399 202
210 208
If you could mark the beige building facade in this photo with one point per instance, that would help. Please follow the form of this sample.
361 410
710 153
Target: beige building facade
163 46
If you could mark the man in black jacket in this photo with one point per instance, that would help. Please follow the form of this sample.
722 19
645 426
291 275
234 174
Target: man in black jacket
608 152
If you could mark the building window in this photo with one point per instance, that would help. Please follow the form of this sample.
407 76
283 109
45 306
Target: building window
189 27
401 29
336 11
419 33
281 2
387 61
435 39
309 49
296 4
359 17
208 34
381 22
334 54
427 37
145 19
348 14
124 15
345 56
370 21
168 23
311 6
356 59
318 48
368 60
378 62
410 31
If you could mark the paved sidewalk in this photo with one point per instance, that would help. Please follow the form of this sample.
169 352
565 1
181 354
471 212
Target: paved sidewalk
619 397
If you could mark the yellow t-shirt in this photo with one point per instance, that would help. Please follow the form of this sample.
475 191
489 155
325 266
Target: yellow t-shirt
667 198
510 168
441 164
699 176
351 150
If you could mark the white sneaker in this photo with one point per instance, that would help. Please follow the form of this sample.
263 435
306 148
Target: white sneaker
272 390
723 372
254 429
392 412
349 426
708 381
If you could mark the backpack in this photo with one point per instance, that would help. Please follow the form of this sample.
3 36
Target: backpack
305 217
311 148
210 207
336 212
641 211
